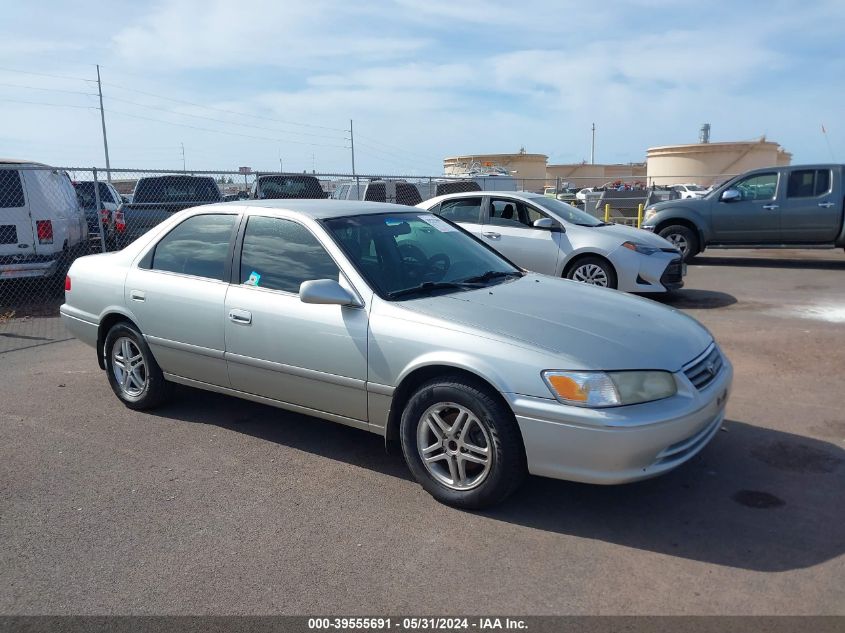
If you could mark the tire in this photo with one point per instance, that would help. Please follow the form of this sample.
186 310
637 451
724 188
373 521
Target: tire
144 387
595 271
431 424
684 238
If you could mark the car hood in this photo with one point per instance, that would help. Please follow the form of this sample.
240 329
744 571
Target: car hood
626 233
696 204
584 326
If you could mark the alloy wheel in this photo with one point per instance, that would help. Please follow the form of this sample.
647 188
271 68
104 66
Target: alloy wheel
679 242
128 367
590 274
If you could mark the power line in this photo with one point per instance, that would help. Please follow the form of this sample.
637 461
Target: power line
203 129
72 92
55 105
235 112
27 72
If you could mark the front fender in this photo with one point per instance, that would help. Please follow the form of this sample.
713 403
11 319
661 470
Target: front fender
686 214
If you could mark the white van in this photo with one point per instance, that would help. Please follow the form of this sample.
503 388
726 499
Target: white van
42 227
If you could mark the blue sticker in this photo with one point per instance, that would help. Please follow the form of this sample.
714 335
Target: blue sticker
393 221
253 280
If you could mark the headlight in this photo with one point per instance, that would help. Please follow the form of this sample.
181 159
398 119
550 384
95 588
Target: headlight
643 249
649 213
597 389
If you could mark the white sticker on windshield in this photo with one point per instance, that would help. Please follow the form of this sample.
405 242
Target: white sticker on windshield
437 223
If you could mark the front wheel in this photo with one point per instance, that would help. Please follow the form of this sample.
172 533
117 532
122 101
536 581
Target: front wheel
683 238
133 373
461 443
594 271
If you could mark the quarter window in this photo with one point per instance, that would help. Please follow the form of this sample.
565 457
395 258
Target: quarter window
461 210
280 254
198 246
808 183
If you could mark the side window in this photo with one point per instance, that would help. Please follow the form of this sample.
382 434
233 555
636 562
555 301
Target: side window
105 193
504 213
280 254
808 183
461 210
198 246
11 189
758 187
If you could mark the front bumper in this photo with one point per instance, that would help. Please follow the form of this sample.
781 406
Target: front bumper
621 444
635 272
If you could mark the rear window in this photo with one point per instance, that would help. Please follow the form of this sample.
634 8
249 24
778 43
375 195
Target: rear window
11 189
181 189
296 187
85 194
808 183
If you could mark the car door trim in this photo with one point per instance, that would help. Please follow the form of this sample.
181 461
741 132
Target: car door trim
382 390
301 372
184 347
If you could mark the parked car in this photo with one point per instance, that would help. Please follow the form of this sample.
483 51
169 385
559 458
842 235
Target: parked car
393 191
774 207
42 227
110 202
286 186
441 186
156 198
691 190
393 320
554 238
349 190
564 194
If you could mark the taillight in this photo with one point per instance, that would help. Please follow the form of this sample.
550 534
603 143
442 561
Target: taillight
119 221
104 215
44 228
67 283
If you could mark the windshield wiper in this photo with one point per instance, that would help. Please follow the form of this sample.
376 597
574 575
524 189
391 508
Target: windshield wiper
490 275
428 286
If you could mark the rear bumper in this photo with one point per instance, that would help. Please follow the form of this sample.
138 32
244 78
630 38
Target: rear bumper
26 269
79 325
622 444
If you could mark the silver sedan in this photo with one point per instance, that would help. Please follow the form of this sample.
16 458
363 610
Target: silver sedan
398 322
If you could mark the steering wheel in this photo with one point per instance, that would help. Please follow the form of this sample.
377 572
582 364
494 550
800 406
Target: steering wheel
437 265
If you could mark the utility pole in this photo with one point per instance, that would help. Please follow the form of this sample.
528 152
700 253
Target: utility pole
281 168
103 121
313 163
593 149
183 157
352 145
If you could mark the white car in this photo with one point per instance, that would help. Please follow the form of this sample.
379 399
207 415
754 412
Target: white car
582 193
42 228
554 238
690 191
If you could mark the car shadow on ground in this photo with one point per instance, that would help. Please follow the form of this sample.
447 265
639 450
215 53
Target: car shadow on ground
755 498
769 262
693 299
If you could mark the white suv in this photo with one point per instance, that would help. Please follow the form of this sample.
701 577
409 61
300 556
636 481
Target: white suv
41 225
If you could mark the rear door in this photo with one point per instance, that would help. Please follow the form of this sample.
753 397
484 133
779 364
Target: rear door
509 229
463 211
17 236
811 212
755 218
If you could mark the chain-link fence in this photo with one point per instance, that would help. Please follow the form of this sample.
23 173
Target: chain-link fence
49 216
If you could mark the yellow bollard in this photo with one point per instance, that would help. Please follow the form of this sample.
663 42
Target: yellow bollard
639 214
607 212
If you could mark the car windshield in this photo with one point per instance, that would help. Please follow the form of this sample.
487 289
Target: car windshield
567 212
405 255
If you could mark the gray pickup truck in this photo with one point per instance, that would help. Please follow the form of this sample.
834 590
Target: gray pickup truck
798 206
156 198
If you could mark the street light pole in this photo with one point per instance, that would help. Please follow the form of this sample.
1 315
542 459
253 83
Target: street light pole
103 121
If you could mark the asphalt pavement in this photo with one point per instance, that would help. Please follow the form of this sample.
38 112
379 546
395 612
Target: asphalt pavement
213 505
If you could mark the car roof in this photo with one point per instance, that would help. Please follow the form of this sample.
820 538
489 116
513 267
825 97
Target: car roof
17 161
525 195
327 208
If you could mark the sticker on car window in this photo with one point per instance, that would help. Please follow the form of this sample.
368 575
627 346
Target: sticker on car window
437 223
253 279
393 221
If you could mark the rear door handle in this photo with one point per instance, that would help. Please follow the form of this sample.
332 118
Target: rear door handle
492 235
137 295
770 207
240 316
825 205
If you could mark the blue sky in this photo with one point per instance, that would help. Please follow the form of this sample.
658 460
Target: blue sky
243 84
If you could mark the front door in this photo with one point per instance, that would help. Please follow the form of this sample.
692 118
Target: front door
509 229
313 356
755 217
463 211
811 213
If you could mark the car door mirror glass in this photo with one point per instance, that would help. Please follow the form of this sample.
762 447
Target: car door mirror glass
325 292
731 195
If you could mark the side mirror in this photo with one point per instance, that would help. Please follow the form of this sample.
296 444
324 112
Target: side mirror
548 224
325 292
731 195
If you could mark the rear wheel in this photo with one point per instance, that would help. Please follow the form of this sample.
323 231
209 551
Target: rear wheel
133 373
461 443
594 271
683 238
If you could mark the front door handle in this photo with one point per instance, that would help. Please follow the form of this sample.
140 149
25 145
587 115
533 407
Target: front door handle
825 205
240 316
137 295
770 207
491 234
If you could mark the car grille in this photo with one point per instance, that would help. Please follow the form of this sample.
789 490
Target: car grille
8 234
674 273
704 370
